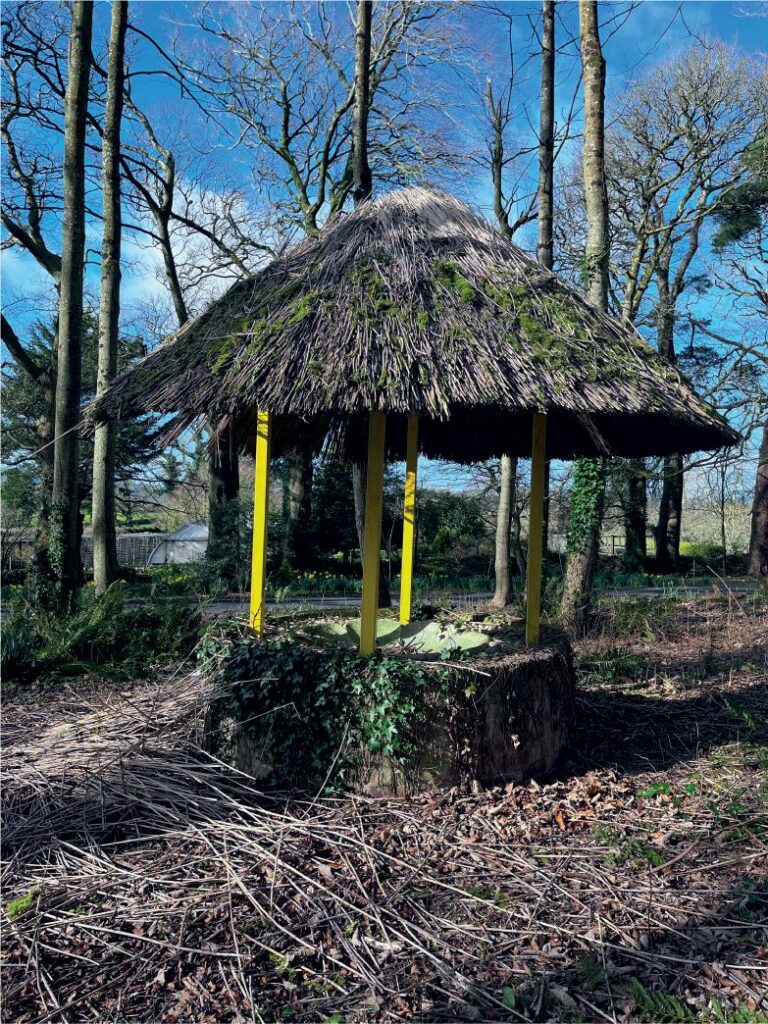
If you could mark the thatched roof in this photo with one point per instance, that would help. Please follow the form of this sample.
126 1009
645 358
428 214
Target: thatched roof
414 304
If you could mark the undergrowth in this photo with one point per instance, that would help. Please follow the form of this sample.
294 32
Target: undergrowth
112 634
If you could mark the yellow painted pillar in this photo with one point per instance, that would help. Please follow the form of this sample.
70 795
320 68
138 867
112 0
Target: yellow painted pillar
260 521
536 529
374 500
409 521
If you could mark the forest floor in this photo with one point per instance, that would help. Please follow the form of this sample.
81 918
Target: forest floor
144 881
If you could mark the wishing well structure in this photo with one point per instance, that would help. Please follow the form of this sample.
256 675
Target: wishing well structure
408 326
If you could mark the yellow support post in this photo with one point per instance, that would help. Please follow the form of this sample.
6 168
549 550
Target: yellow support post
374 500
536 529
409 521
260 520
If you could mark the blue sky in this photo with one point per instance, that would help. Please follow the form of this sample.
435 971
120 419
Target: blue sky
651 31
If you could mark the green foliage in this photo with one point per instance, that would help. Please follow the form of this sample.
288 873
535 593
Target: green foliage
111 633
701 549
660 1007
740 1015
637 616
742 210
317 706
609 664
18 649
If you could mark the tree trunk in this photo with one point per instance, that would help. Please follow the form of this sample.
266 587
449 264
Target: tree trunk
635 516
223 506
588 496
297 484
587 502
516 543
593 157
758 538
360 167
363 190
358 492
667 530
544 248
507 480
105 567
65 510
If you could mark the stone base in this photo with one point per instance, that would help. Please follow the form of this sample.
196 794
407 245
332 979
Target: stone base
501 712
508 717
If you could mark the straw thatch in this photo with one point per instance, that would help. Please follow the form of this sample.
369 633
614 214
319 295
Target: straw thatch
414 304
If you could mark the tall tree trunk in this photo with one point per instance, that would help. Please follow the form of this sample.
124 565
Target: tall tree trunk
545 246
588 495
635 516
508 473
758 538
667 530
105 567
65 510
362 191
361 169
223 506
297 497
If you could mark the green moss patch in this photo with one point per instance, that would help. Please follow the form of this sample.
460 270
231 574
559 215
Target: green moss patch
22 904
449 275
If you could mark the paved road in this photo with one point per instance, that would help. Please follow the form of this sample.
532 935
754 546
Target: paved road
238 605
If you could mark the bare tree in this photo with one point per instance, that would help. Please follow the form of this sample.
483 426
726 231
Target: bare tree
65 508
588 495
105 566
675 157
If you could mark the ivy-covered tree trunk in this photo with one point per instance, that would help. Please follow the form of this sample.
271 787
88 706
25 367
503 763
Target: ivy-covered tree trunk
588 496
635 516
758 538
587 504
64 544
105 566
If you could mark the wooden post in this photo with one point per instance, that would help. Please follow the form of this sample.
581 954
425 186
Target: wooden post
374 500
260 521
409 521
535 529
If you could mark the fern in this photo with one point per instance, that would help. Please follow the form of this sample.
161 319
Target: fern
741 1015
661 1007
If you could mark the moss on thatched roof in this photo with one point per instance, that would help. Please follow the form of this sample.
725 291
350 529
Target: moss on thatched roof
414 304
